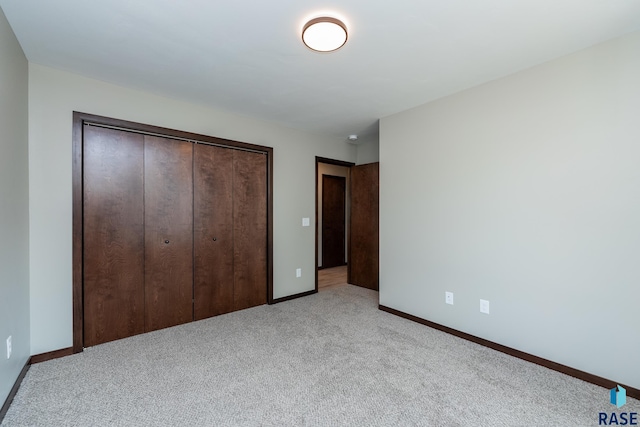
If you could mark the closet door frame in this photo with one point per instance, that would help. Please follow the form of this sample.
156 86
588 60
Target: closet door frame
79 122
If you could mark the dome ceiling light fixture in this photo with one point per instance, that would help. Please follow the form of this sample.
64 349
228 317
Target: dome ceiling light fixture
324 34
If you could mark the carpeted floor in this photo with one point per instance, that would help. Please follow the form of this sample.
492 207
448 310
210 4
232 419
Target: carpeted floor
329 359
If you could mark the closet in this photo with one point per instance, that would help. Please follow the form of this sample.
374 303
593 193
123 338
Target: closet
173 230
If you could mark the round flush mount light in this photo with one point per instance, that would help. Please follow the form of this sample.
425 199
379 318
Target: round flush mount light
324 34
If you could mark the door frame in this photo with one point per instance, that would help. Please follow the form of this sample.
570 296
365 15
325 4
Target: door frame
336 163
79 121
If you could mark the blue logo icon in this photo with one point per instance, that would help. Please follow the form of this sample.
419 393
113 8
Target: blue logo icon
618 396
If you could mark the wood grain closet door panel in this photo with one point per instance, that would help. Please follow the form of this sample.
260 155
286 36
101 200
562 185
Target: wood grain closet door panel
333 220
250 229
113 222
168 199
213 231
363 248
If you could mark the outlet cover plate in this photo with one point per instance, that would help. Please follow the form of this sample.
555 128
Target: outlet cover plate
298 272
484 306
9 347
448 297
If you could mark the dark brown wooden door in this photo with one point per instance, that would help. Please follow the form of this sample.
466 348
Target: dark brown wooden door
171 231
363 230
213 231
168 204
113 225
333 220
249 229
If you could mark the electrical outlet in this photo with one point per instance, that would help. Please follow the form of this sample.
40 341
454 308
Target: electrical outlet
484 306
298 272
448 297
9 347
305 222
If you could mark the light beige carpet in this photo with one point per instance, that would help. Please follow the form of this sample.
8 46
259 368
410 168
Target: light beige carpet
329 359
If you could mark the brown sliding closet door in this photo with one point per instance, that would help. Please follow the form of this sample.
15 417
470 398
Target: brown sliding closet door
249 229
213 230
113 225
168 204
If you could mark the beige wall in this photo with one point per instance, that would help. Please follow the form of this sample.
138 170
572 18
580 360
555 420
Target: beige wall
53 95
369 150
14 208
327 169
525 192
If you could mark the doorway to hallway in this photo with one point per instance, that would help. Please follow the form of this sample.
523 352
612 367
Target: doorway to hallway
347 222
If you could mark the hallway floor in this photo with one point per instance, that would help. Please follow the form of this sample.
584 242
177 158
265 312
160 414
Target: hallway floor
332 276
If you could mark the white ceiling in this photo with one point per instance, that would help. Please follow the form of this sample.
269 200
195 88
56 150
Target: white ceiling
246 56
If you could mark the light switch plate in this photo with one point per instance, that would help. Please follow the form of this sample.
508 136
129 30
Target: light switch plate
305 222
298 272
9 347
